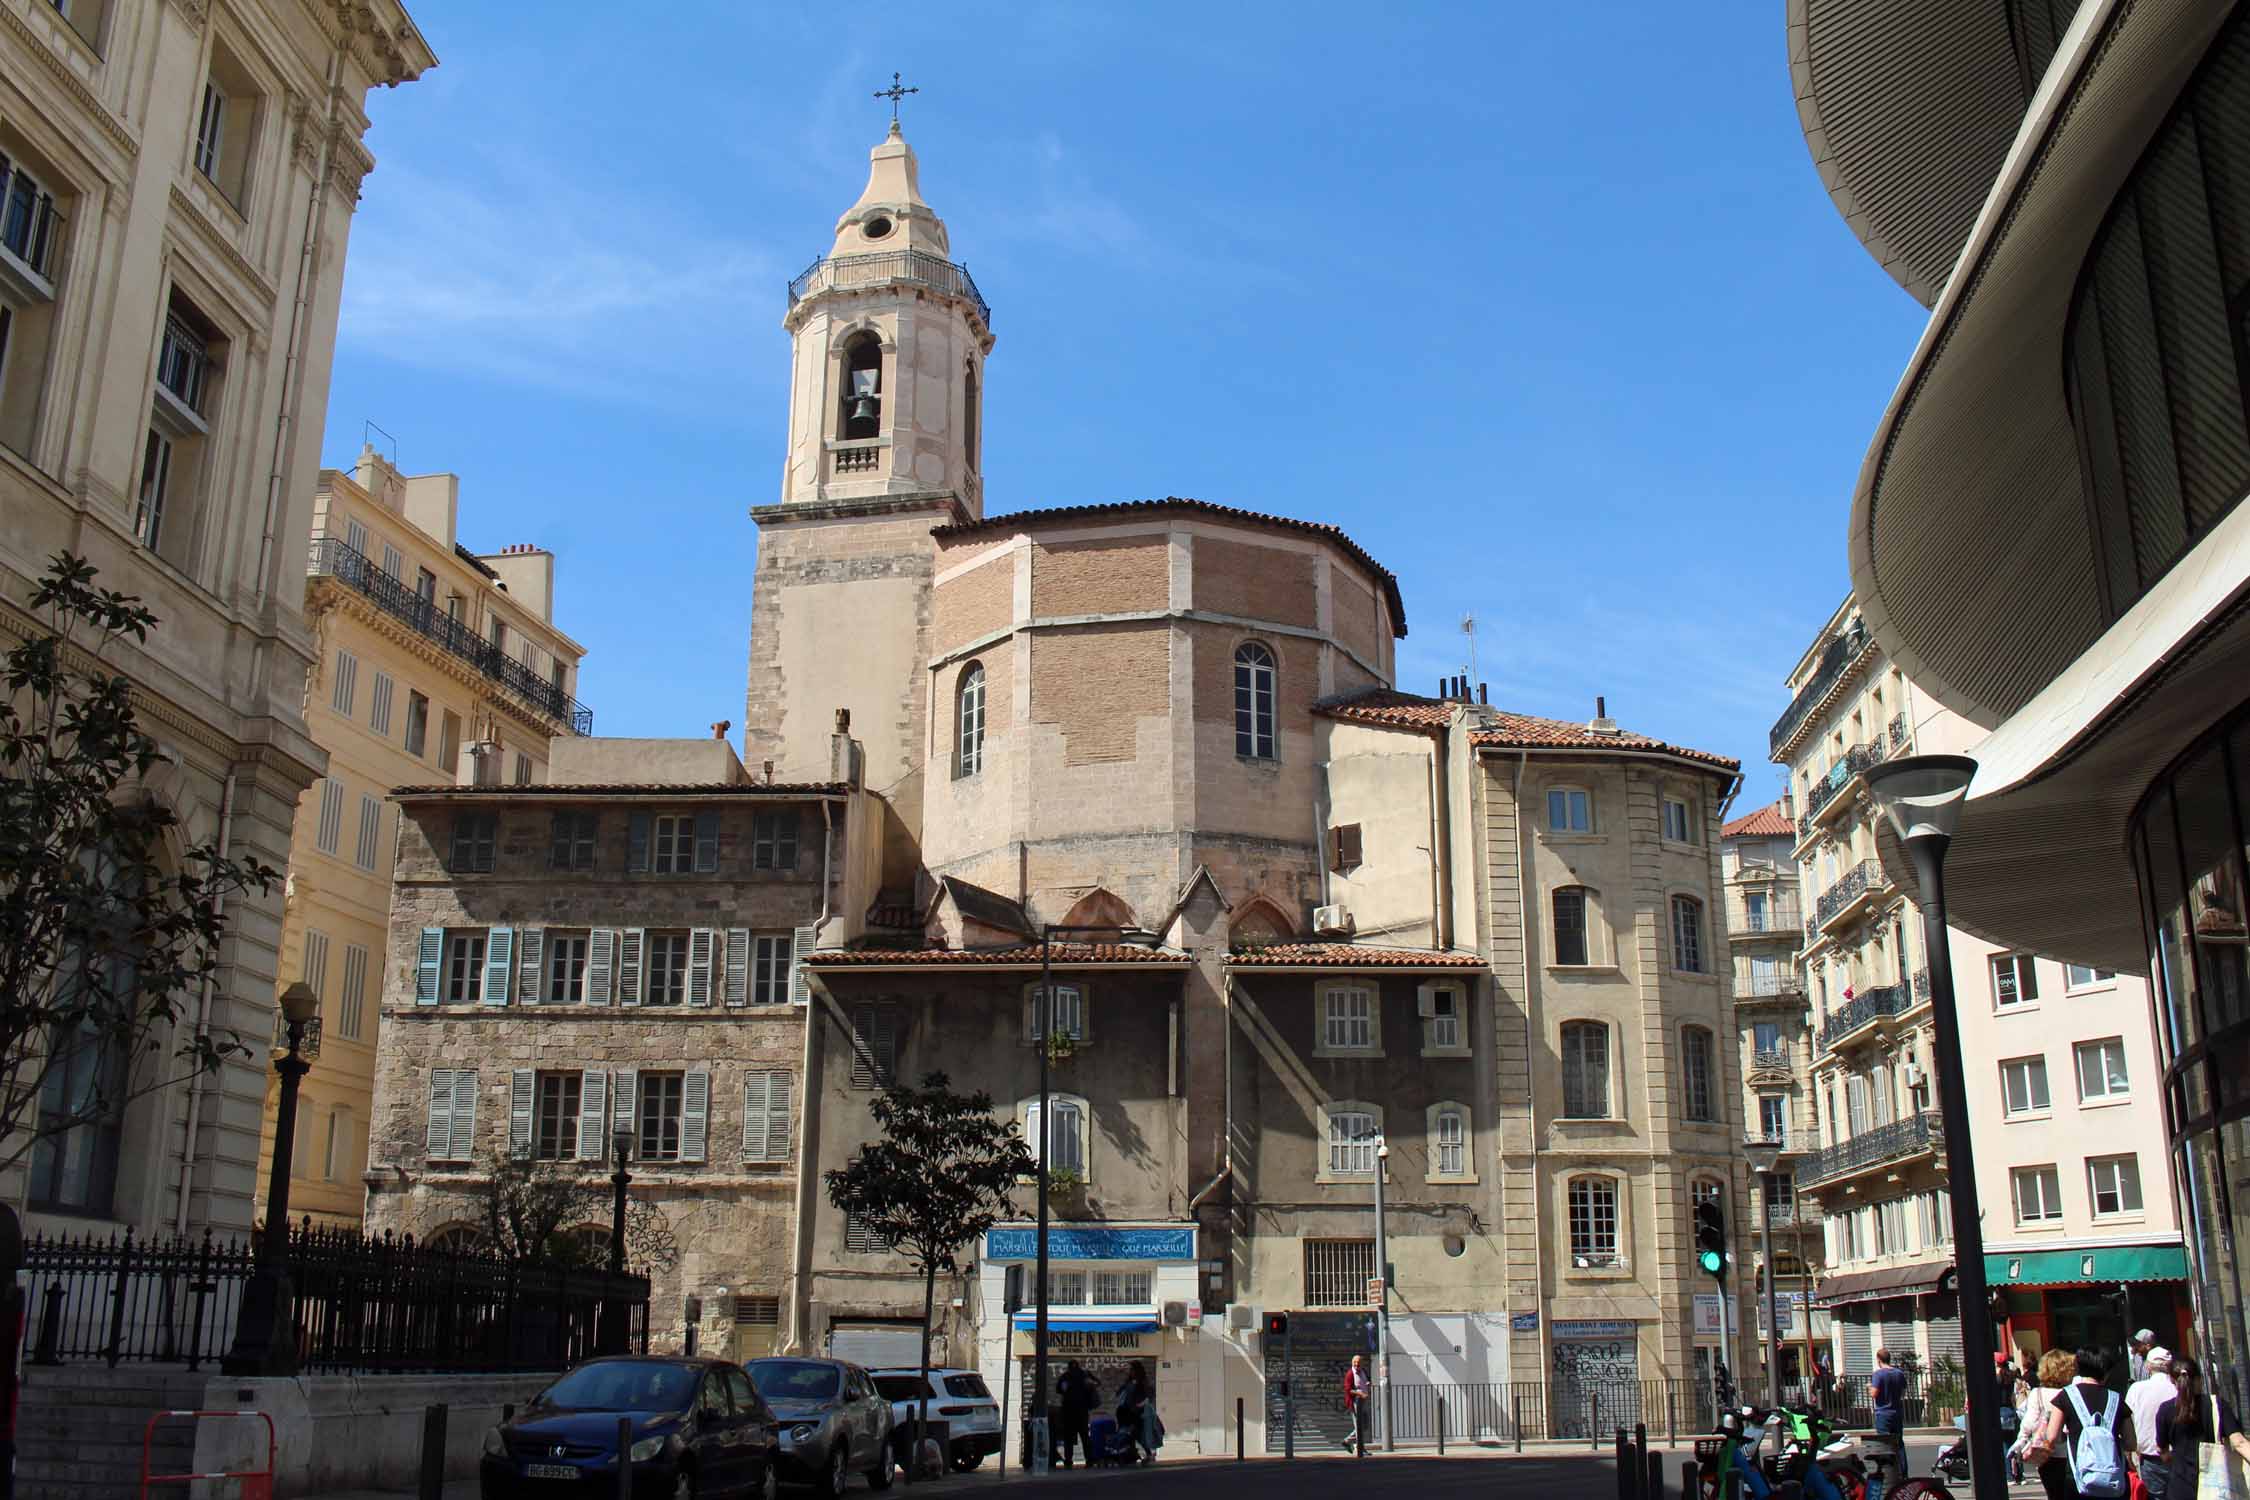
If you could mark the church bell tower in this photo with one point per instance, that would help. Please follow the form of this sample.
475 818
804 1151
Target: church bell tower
888 338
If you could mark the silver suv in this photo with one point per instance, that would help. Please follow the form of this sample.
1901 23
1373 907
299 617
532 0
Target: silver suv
832 1420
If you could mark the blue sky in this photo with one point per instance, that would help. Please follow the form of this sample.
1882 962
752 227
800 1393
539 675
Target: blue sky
1544 304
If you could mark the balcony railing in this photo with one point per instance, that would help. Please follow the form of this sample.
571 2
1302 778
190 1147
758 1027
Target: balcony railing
1898 731
1777 1058
1885 1143
1849 887
332 559
30 225
883 267
1835 660
1864 1010
1823 791
1773 916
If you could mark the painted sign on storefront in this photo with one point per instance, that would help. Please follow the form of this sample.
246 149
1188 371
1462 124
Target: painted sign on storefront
1077 1243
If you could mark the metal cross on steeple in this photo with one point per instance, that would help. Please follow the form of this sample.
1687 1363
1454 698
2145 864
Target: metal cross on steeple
895 93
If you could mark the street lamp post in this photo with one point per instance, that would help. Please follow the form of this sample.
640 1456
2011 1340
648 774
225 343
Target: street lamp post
265 1339
1383 1300
1922 795
617 1337
1764 1156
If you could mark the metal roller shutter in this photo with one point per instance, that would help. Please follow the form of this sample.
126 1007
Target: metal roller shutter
877 1346
1859 1340
1897 1331
1945 1329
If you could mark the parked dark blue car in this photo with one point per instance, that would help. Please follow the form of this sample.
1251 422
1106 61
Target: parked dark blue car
700 1431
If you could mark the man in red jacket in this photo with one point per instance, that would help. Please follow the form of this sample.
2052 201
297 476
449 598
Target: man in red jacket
1356 1389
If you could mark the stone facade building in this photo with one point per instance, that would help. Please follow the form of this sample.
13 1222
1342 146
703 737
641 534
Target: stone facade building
434 661
179 182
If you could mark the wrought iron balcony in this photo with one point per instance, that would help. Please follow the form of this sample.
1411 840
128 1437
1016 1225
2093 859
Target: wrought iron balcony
1898 731
1854 883
332 559
1823 791
1778 1058
1789 1215
884 267
1912 1136
1769 917
1865 1010
1834 662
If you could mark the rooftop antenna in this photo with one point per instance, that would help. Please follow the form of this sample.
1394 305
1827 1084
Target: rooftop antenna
1469 629
366 426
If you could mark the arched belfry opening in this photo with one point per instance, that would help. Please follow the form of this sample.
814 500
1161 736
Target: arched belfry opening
862 414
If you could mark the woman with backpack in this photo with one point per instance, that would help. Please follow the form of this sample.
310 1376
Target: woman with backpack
2056 1369
2200 1432
2085 1449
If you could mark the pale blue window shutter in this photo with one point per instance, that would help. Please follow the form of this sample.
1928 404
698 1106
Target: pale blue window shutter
699 966
636 845
593 1115
738 966
499 965
601 964
464 1144
438 1137
428 958
523 1084
707 841
624 1098
629 945
534 945
695 1115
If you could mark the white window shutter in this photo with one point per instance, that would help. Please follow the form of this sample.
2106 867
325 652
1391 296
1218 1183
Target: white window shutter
463 1146
755 1087
780 1116
695 1115
427 960
1031 1137
800 984
533 941
438 1139
624 1098
738 966
601 964
499 965
699 966
629 945
523 1086
593 1115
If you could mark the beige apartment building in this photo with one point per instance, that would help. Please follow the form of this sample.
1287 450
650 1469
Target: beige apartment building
2080 1236
177 183
436 664
1765 931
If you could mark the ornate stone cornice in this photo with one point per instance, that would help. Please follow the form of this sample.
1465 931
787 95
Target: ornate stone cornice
393 54
195 10
71 84
348 163
208 233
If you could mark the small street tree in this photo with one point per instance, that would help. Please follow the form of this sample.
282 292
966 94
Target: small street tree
531 1210
108 921
943 1173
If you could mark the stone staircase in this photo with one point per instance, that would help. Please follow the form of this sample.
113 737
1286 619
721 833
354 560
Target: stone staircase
79 1430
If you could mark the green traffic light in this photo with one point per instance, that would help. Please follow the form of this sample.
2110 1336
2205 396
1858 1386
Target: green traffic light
1712 1262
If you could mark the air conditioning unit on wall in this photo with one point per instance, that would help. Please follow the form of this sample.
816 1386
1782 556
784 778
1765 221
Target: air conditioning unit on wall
1241 1315
1331 920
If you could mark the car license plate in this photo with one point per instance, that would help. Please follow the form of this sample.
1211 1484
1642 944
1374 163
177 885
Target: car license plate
550 1471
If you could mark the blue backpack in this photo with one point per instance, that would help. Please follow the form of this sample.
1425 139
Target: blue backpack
2094 1464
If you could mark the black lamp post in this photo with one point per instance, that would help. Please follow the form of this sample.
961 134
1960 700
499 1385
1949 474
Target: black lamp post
265 1335
1922 796
617 1337
1764 1157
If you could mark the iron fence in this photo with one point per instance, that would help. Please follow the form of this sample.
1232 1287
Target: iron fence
1592 1411
362 1303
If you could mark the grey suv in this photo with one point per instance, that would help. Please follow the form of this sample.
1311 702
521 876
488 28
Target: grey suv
832 1420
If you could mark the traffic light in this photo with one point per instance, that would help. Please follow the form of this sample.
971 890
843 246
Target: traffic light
1711 1239
1277 1325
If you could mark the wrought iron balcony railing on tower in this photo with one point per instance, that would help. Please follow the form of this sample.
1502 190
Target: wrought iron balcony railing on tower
883 267
1835 660
1854 883
1864 1010
1885 1143
332 559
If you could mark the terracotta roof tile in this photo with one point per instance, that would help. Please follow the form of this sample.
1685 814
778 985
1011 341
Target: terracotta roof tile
1194 507
955 958
1349 956
1524 732
1767 820
632 789
1388 708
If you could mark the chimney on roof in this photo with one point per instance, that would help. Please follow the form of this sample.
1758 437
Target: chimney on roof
1601 723
844 761
719 730
769 773
1484 694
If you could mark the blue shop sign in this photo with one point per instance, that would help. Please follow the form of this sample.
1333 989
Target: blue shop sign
1091 1244
1523 1323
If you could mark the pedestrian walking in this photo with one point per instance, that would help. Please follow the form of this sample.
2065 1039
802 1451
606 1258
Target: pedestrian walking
2143 1341
1357 1389
2148 1396
1080 1394
2057 1368
1136 1413
2206 1450
1887 1387
1824 1382
2086 1448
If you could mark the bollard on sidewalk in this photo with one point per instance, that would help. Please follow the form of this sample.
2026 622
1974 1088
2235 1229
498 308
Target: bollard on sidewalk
1238 1449
432 1478
624 1458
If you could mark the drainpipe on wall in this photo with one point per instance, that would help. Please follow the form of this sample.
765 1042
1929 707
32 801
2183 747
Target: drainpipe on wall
1531 1093
198 1085
1440 862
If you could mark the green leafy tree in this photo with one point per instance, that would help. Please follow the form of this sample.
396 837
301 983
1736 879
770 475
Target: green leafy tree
533 1212
108 923
943 1173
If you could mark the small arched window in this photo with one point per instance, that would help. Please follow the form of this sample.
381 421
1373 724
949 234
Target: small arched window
1253 701
1687 934
968 717
1698 1098
1574 929
862 413
1585 1070
969 418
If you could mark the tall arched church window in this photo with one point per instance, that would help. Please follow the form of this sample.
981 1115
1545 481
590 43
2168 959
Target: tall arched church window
1253 701
862 416
969 718
969 418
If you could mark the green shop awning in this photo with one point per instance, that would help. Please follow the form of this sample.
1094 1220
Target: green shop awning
2074 1267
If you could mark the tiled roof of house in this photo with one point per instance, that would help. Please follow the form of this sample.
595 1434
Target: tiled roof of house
1769 819
1349 956
986 908
969 958
633 789
1524 732
1193 507
1388 708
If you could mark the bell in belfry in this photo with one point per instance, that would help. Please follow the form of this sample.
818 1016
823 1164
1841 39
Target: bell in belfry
864 406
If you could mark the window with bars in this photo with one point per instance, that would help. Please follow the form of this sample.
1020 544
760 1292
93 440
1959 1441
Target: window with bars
661 1109
566 967
555 1130
1687 934
666 980
1253 702
1347 1019
1352 1131
1124 1288
476 839
773 841
969 719
570 839
1593 1222
1337 1272
1585 1070
773 955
